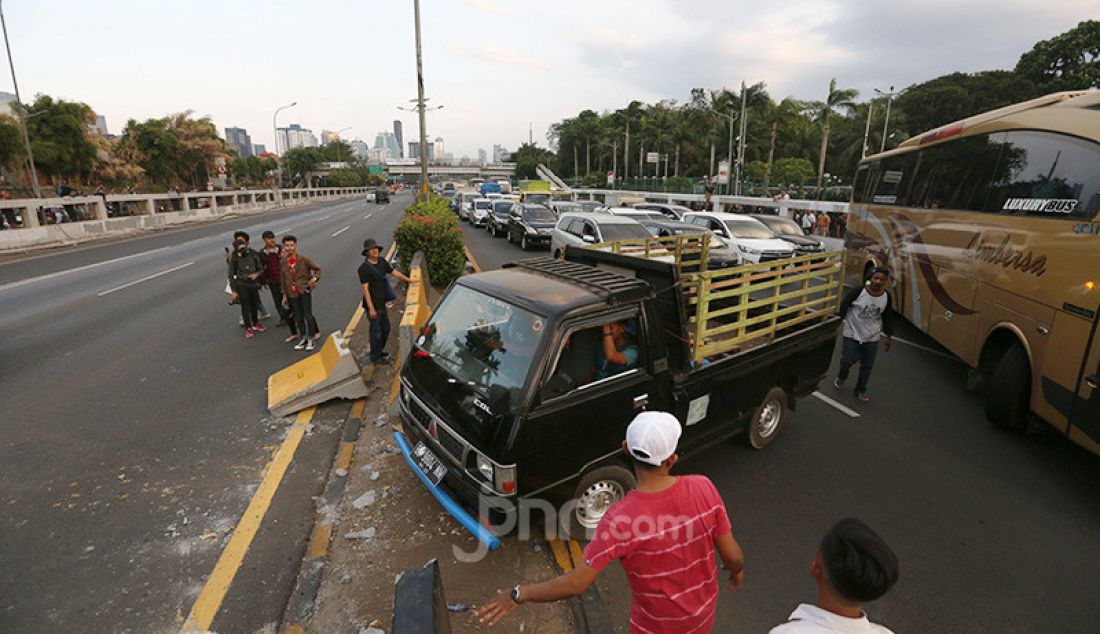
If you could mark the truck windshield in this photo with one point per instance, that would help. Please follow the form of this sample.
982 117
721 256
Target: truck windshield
482 341
536 198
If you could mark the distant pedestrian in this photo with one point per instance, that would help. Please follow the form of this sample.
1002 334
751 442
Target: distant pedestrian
299 277
664 534
376 292
708 189
245 269
272 254
823 222
853 566
809 221
867 313
782 198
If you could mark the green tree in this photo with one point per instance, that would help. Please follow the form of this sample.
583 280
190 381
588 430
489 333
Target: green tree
1070 61
59 137
792 171
300 161
956 96
338 152
344 178
838 100
175 150
528 157
12 153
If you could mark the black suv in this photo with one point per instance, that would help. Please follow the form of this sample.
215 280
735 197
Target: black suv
529 224
381 195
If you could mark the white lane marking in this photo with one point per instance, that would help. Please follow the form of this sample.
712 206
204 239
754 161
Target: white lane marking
325 217
367 216
341 231
143 279
927 349
48 276
828 401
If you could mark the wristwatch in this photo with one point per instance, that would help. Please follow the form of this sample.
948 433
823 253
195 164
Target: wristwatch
515 595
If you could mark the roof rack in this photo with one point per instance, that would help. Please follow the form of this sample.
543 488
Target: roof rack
612 287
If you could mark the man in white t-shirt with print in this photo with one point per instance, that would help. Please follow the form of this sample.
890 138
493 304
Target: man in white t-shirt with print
867 314
853 566
809 221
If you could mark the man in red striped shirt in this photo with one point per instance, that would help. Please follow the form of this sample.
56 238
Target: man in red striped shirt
664 533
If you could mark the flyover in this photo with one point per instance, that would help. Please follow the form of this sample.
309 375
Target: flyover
399 167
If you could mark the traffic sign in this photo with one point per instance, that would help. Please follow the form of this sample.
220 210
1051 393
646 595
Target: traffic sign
723 176
652 157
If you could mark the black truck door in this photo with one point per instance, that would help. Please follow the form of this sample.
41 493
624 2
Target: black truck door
583 409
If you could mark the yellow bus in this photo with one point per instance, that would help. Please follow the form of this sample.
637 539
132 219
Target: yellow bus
989 226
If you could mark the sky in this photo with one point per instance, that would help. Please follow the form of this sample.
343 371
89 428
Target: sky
496 66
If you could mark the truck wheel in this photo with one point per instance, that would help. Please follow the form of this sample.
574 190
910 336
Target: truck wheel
768 418
597 491
1008 398
558 255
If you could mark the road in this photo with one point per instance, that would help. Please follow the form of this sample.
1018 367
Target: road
996 532
136 430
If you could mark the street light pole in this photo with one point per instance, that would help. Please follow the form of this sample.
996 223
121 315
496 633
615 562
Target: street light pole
729 149
420 106
741 142
22 114
867 130
275 130
886 124
339 148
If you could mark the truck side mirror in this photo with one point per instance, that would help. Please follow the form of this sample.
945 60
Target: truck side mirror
589 239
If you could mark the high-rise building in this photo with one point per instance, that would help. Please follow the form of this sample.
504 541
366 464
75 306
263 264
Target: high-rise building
7 103
389 141
234 137
414 150
500 153
258 148
378 155
294 136
328 136
439 153
101 124
482 156
400 139
361 149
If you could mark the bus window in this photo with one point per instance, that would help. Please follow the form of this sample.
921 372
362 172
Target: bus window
1048 175
958 174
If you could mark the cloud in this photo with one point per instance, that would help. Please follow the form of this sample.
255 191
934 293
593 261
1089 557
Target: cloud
492 7
498 56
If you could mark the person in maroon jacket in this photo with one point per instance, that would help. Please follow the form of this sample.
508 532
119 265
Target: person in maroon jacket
272 253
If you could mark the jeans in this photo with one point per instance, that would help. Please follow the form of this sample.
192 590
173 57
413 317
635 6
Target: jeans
379 333
250 301
302 307
284 312
852 351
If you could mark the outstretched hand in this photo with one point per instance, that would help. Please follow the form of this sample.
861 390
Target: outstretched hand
495 610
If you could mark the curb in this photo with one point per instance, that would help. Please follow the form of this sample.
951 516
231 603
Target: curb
588 609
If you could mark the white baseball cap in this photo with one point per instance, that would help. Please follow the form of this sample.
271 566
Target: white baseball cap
652 436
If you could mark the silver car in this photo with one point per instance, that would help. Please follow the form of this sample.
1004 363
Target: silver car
586 228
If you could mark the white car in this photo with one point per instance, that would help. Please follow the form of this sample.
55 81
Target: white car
586 228
752 238
480 210
465 203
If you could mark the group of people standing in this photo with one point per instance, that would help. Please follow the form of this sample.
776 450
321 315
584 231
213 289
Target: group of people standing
291 278
824 224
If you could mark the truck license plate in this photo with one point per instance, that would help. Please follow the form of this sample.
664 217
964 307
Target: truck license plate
428 464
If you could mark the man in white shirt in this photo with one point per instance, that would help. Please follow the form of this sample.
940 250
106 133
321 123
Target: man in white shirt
853 566
809 221
867 313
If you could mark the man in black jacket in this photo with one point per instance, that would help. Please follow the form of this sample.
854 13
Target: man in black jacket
867 313
245 269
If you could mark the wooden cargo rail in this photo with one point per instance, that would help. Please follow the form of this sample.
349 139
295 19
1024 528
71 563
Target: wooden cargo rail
731 309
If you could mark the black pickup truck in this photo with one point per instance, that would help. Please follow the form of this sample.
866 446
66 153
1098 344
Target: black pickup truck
506 396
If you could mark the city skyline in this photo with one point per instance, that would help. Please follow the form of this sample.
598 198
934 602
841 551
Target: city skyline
619 52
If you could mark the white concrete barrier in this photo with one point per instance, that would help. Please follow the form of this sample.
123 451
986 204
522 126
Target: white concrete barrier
613 196
156 211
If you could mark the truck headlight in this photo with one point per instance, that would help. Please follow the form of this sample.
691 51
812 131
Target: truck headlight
485 467
532 231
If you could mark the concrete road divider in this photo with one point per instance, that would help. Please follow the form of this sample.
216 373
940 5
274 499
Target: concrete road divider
419 606
328 374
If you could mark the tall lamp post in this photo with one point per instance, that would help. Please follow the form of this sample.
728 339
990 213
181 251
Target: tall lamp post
275 130
889 99
729 153
22 116
421 108
867 129
339 148
741 142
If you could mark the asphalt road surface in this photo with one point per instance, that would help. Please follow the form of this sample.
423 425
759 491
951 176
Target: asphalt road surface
135 427
995 531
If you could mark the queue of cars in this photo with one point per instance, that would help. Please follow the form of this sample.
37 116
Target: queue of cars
735 238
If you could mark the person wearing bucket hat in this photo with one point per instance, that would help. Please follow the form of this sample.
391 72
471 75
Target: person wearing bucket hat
376 292
663 523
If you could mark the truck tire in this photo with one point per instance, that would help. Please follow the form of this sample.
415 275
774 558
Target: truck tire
768 418
1008 397
597 491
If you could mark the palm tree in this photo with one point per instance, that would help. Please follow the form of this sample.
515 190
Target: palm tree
838 99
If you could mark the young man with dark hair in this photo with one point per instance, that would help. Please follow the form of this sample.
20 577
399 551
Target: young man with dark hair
664 533
245 268
867 313
272 255
299 277
261 311
853 566
376 292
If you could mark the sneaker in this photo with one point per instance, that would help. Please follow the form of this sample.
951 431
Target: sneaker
310 345
291 338
240 322
301 344
248 333
265 315
385 355
259 328
862 396
382 361
838 384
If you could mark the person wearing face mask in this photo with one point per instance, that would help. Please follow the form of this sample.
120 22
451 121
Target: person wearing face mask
245 269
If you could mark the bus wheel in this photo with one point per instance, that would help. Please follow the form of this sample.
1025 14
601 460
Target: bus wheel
597 491
768 418
1008 397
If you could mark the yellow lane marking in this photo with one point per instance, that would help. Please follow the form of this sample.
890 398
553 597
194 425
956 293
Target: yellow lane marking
470 257
357 409
343 455
561 555
294 629
578 555
318 541
213 592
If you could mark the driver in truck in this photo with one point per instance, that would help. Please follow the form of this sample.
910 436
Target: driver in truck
617 352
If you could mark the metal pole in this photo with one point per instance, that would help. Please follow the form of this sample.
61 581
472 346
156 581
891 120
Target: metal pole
867 130
886 124
729 158
420 106
275 129
741 141
22 114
